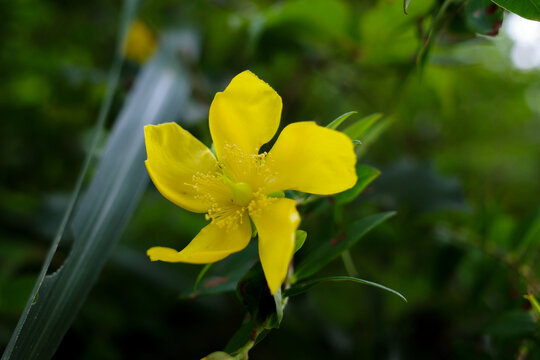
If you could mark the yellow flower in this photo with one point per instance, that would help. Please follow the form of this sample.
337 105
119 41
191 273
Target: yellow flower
140 42
236 186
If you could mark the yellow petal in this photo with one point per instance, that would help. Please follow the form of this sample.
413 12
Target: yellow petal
211 244
312 159
276 224
174 156
245 115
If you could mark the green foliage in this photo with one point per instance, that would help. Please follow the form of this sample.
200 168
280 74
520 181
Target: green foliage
48 311
101 215
332 248
457 154
227 274
264 309
321 17
529 9
302 287
300 239
340 119
366 175
358 130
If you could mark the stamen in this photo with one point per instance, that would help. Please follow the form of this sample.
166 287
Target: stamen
265 174
209 187
235 163
227 217
259 202
238 188
252 169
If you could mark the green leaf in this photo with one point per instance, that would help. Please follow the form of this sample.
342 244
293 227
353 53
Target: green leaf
277 194
300 288
245 333
434 28
279 307
102 213
373 134
25 345
529 9
534 303
219 355
526 236
330 250
200 276
334 124
366 175
300 239
252 290
357 130
348 262
406 5
321 18
226 274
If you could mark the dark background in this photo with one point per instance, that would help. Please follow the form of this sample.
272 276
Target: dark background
460 162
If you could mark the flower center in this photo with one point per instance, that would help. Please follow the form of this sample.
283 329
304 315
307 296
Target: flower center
237 189
241 192
240 168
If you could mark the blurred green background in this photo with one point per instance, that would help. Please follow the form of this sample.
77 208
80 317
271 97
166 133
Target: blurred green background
459 152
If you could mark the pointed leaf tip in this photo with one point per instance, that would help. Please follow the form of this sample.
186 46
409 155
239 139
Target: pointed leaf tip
340 119
305 286
405 6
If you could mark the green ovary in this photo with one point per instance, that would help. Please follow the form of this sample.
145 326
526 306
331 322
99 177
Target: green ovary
241 193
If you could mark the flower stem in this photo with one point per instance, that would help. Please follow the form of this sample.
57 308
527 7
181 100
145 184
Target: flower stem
242 353
349 263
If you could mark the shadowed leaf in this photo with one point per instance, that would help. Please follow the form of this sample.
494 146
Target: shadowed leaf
329 250
300 288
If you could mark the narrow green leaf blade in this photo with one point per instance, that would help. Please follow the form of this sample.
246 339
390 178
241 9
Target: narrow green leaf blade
203 271
357 130
405 6
366 174
14 346
279 307
158 95
338 121
300 239
529 9
331 249
534 303
300 288
373 134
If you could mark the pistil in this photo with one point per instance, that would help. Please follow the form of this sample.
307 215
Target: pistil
241 192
